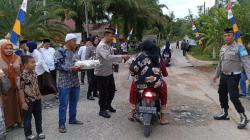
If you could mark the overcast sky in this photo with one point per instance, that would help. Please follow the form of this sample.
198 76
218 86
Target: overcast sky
180 7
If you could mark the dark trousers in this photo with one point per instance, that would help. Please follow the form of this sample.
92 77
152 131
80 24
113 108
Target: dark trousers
106 88
54 75
229 84
35 108
92 83
82 76
184 52
177 46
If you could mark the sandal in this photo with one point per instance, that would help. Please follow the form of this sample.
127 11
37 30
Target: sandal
163 120
76 122
41 136
31 137
62 130
131 115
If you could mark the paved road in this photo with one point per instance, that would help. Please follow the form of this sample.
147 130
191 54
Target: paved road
192 102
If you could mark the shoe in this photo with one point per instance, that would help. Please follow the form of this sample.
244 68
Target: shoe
91 98
163 119
31 137
62 130
248 97
96 95
76 122
56 96
111 109
222 116
243 121
41 136
104 114
243 95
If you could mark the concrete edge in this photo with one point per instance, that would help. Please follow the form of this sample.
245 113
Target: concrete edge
197 62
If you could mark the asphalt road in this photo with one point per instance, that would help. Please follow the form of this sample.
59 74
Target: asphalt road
193 101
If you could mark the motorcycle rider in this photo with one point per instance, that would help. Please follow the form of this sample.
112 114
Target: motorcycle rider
167 49
148 72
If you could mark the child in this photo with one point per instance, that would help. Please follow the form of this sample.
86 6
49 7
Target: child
30 98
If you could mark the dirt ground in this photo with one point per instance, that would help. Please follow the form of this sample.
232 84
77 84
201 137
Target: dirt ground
192 101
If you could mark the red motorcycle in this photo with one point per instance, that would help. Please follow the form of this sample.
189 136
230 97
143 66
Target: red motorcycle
148 109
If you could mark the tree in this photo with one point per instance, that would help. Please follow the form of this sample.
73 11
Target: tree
35 27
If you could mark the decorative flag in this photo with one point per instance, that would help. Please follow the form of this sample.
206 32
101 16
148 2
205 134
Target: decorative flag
197 34
130 34
19 21
115 37
236 30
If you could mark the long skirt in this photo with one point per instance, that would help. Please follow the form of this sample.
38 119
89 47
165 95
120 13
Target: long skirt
12 107
163 96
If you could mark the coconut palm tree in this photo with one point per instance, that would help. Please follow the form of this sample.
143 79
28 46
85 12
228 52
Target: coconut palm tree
35 27
137 14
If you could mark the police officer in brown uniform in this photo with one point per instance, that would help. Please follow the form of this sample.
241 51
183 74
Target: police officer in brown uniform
232 56
104 72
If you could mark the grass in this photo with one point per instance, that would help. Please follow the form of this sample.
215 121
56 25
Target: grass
198 53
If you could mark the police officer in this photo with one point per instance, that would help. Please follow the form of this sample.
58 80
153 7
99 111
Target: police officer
104 72
232 55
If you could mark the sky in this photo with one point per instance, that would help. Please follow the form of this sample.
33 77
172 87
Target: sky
180 7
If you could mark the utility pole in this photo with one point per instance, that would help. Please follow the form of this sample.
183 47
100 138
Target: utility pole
44 12
86 17
204 8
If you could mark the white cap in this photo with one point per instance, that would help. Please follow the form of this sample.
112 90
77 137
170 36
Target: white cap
70 36
3 41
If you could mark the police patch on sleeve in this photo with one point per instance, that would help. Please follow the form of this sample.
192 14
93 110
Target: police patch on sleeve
242 51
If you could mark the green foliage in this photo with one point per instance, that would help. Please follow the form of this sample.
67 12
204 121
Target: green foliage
36 25
212 24
127 14
137 14
196 52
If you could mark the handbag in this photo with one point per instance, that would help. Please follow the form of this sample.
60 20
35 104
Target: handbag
5 85
48 84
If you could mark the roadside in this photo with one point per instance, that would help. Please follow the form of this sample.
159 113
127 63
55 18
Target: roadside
192 103
208 68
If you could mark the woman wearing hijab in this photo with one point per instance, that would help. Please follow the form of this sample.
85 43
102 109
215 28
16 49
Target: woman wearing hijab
10 63
146 66
167 51
41 66
91 54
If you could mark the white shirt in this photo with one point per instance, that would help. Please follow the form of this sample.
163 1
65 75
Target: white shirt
49 57
41 67
82 52
124 47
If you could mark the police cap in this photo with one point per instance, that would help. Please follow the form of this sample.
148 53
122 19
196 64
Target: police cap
228 30
110 30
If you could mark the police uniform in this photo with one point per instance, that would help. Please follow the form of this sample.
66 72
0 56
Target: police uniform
104 76
229 70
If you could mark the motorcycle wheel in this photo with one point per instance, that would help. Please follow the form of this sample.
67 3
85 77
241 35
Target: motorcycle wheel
147 130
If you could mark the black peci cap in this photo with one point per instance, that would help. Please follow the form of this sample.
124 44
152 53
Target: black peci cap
228 30
110 30
46 41
23 42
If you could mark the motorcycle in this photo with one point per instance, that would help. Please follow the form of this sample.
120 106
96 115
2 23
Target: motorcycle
147 109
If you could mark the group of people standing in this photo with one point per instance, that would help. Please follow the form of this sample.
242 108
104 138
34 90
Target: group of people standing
35 70
24 69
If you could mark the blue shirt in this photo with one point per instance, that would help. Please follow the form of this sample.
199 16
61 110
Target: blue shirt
64 61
